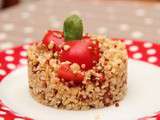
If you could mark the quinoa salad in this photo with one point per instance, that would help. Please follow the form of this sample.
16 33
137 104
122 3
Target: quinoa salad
69 70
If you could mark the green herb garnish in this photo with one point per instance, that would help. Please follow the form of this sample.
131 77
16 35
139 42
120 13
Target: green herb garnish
73 28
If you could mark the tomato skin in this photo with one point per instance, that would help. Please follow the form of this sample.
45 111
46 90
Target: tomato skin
55 36
66 73
81 52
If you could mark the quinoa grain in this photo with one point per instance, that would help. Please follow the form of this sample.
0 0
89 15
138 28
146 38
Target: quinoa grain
47 88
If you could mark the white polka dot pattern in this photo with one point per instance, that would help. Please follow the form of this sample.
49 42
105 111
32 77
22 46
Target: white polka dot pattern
137 56
6 45
136 50
25 47
152 59
23 61
133 48
9 58
147 45
110 9
2 72
124 27
137 34
102 30
25 15
158 31
120 21
140 12
75 12
9 51
148 21
128 42
31 7
151 51
28 40
23 53
11 66
3 36
28 29
8 27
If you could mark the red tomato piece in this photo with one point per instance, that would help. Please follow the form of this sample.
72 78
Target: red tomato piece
66 73
81 52
55 36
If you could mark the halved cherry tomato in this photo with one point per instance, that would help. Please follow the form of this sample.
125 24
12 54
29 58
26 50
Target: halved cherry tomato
66 73
81 52
55 36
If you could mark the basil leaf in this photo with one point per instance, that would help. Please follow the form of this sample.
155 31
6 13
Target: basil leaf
73 28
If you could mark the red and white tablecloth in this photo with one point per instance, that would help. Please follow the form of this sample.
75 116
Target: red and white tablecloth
12 58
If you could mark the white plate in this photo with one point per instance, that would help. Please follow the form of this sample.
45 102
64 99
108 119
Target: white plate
143 97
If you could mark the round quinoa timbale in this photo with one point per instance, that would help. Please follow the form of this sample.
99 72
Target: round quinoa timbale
47 88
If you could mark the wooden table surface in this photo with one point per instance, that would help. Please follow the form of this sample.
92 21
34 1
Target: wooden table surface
117 19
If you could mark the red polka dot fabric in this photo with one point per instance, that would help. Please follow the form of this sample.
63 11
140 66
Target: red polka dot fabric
10 59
